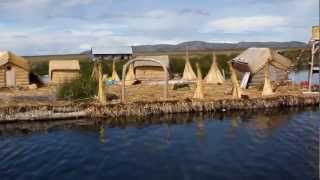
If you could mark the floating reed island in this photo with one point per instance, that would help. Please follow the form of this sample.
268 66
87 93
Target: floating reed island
153 91
71 110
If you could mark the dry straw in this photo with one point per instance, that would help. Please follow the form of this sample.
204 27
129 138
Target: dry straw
214 75
198 94
188 73
236 92
267 88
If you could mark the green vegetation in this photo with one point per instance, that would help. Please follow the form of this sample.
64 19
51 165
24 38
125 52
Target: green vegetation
81 88
294 54
205 60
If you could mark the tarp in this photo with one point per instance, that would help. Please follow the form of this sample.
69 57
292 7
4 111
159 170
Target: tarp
254 59
7 56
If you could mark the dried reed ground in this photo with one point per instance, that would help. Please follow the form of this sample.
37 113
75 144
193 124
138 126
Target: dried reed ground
150 93
136 93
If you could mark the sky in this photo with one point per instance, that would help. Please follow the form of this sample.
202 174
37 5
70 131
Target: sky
38 27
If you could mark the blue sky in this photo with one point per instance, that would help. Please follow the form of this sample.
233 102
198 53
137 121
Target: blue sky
33 27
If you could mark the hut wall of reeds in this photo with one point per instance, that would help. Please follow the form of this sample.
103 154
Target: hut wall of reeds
151 71
254 60
62 71
14 70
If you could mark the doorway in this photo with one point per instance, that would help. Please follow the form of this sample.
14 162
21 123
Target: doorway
10 76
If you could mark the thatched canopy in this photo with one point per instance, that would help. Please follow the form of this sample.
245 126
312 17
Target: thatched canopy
214 75
254 59
65 65
163 59
7 56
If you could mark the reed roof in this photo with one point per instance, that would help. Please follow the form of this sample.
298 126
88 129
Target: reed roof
7 56
146 61
256 58
55 65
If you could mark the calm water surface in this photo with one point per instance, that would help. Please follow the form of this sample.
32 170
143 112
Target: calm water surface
245 145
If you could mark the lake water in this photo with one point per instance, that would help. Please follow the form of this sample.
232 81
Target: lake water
275 145
302 75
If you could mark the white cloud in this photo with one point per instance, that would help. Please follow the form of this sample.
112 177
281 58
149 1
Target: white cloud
69 3
245 24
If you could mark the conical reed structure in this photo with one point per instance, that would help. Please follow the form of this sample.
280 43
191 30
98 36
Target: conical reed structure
114 75
236 90
188 73
198 94
98 75
130 77
214 75
267 88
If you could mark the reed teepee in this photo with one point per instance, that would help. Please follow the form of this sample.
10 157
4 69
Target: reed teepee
236 90
114 75
188 73
214 75
130 76
198 94
267 88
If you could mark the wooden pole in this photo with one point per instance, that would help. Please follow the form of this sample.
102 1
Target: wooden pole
123 91
311 67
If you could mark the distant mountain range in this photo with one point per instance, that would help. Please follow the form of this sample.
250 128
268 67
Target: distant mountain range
204 46
207 46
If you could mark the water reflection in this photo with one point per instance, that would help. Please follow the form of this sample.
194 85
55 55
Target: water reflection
302 75
267 120
239 145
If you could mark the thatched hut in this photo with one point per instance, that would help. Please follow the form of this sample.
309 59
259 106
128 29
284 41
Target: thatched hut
250 65
147 70
14 70
62 71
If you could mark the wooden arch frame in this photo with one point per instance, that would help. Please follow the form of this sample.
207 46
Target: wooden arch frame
124 70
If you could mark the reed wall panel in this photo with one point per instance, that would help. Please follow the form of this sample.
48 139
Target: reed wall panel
22 76
150 73
2 77
61 77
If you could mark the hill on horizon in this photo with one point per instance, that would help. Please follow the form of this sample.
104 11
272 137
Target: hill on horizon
207 46
204 46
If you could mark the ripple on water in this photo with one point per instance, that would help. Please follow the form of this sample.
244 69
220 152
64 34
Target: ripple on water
279 145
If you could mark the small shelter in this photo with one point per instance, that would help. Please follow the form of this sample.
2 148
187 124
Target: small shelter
188 73
62 71
214 75
146 70
14 70
250 65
